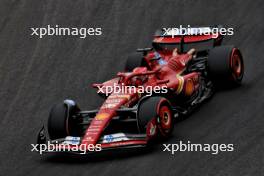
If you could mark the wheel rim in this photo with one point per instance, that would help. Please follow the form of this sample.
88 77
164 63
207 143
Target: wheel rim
236 65
165 118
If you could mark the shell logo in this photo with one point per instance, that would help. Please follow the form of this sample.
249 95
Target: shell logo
102 116
189 87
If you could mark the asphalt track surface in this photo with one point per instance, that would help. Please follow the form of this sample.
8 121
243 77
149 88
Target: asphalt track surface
35 74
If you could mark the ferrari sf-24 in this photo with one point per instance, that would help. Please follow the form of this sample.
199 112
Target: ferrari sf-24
191 67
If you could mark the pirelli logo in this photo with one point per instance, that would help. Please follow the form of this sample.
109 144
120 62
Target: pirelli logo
180 85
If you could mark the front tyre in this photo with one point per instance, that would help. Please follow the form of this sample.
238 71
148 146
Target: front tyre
61 122
155 117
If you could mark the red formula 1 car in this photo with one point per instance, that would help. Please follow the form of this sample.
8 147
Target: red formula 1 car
135 118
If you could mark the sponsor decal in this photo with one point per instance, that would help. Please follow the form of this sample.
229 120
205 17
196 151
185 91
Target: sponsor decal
91 133
116 144
189 87
95 126
109 138
93 129
97 122
121 96
113 101
108 106
72 140
102 116
89 138
117 137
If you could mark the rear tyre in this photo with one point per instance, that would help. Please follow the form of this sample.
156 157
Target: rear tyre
134 60
155 116
225 65
61 122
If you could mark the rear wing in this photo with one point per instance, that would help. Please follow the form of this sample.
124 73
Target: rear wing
212 31
201 38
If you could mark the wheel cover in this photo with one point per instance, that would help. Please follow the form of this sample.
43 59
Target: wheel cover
165 118
236 65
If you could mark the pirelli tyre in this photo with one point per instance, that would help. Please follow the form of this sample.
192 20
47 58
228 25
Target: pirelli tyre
61 122
225 65
155 117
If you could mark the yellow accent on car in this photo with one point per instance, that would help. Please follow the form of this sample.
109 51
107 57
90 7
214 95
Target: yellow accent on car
102 116
180 85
